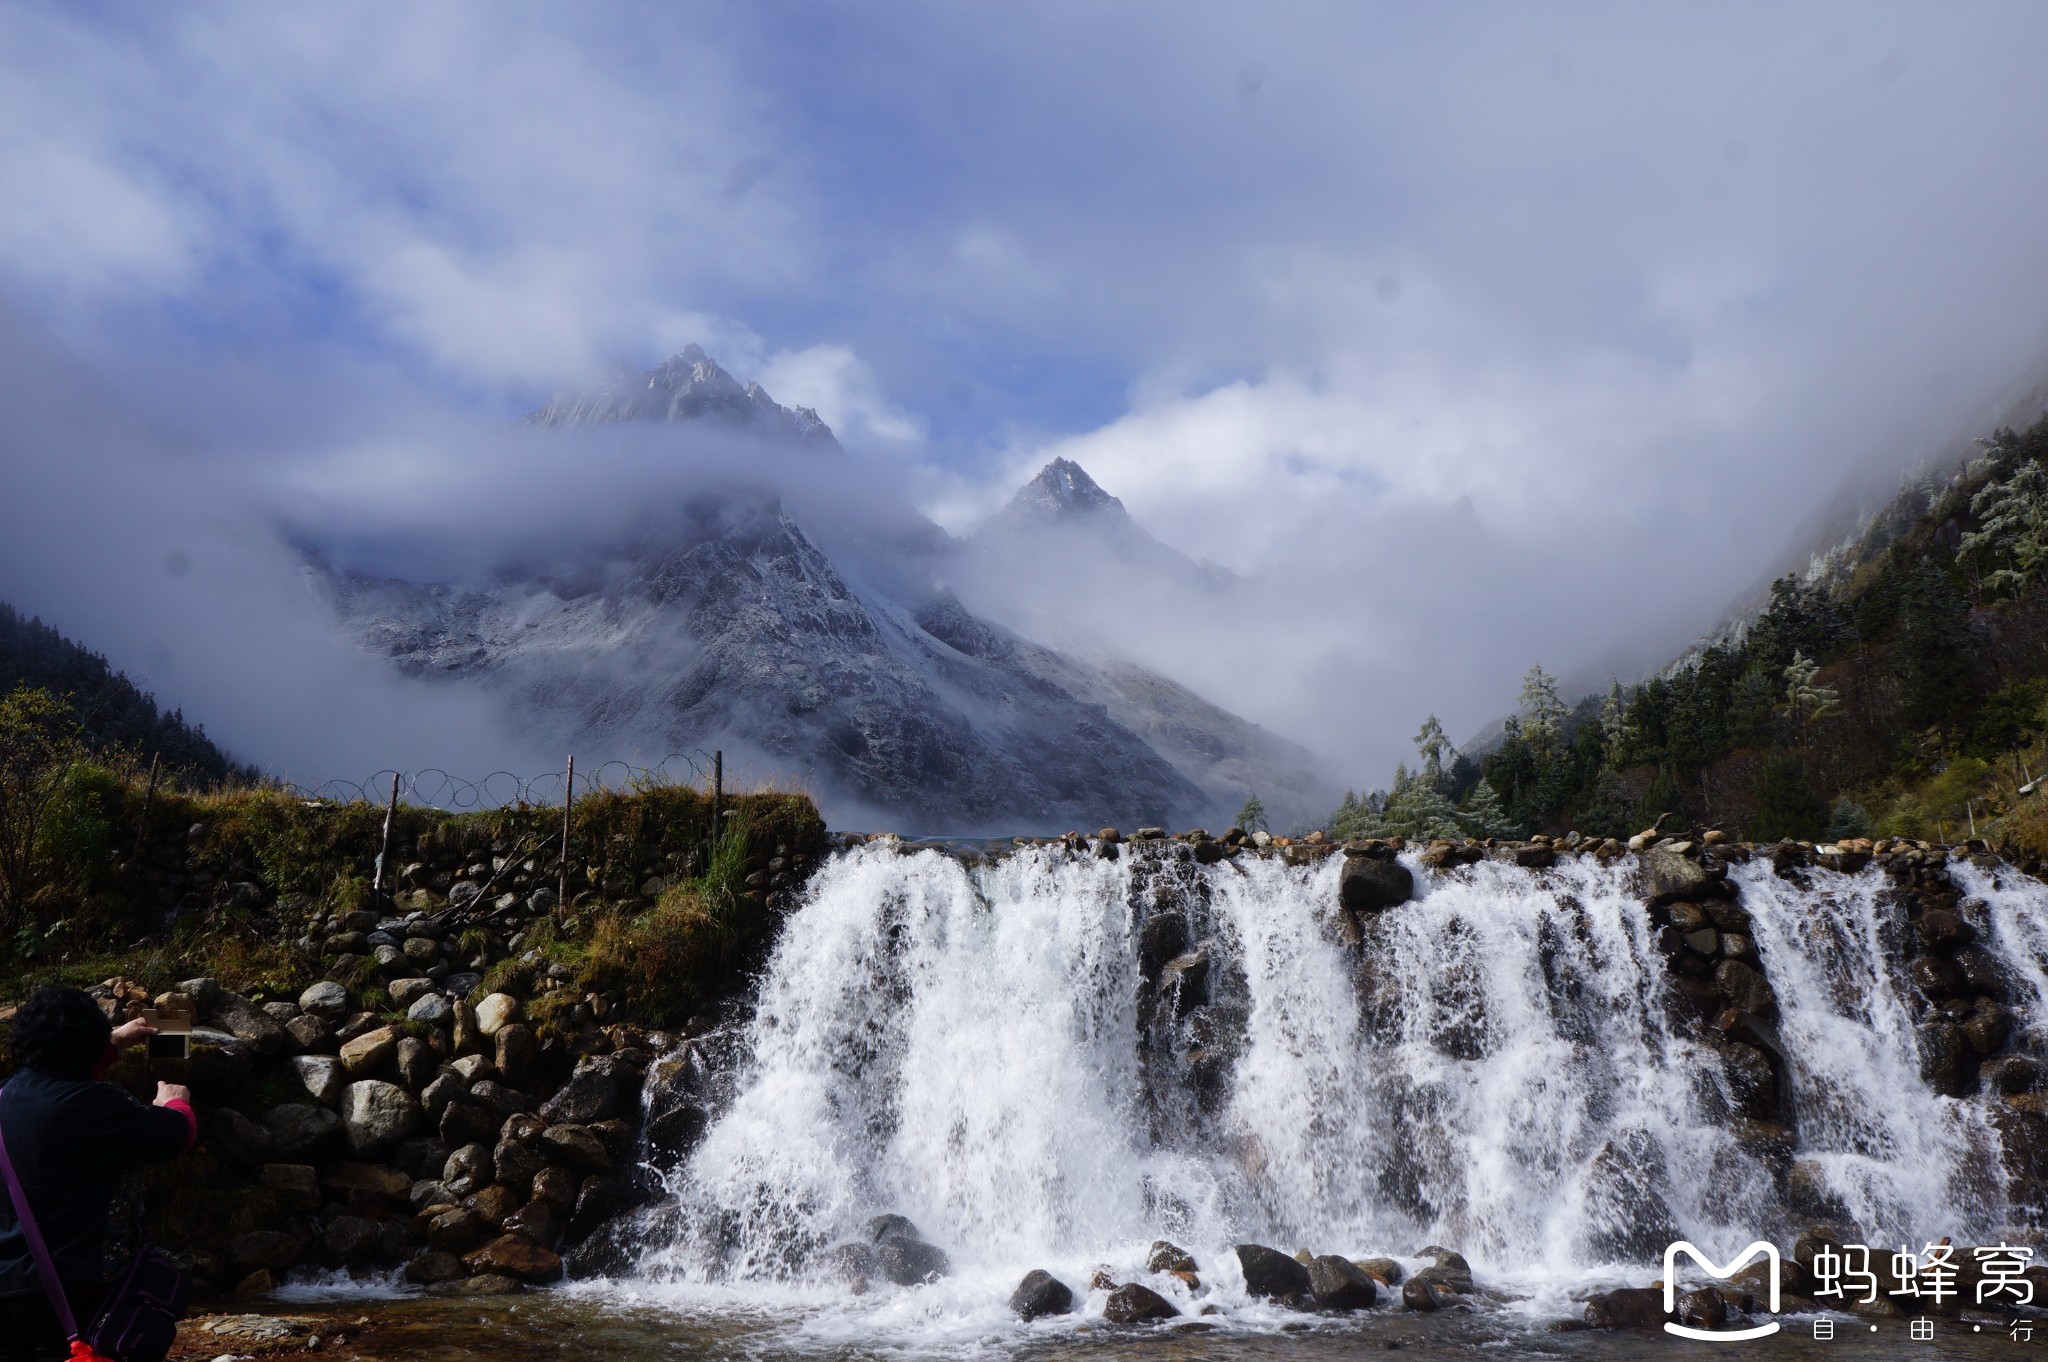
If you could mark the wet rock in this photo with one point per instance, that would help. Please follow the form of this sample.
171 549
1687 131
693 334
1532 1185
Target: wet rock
1627 1217
1941 930
1981 972
909 1261
856 1265
1745 989
494 1204
1937 978
1370 886
1947 1060
1184 982
2013 1074
512 1256
1422 1293
1384 1271
538 1221
458 1231
577 1147
1164 937
1336 1283
1135 1304
1987 1027
435 1096
432 1009
605 1195
602 1086
1669 874
434 1266
1631 1307
1271 1274
673 1134
1701 1308
469 1169
378 1115
1169 1257
1808 1193
501 1101
1040 1294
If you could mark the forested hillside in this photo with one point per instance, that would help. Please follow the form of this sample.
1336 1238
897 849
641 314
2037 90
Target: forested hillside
107 707
1898 687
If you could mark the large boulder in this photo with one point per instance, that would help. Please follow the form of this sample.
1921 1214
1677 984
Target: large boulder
496 1012
1370 885
1669 874
369 1052
603 1086
1040 1294
1947 1060
299 1130
262 1033
512 1256
1336 1283
1164 937
1132 1303
1271 1274
326 1000
1745 989
378 1115
903 1254
324 1078
1631 1307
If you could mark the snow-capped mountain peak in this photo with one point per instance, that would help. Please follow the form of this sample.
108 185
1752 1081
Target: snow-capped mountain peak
689 386
1061 491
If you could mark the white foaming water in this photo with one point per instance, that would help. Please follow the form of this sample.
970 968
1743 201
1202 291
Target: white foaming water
1908 1165
1492 1068
2016 912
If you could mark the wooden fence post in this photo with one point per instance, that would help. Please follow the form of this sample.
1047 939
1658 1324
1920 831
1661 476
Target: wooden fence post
384 848
148 796
568 803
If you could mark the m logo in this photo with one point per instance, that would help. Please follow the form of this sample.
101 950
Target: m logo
1729 1269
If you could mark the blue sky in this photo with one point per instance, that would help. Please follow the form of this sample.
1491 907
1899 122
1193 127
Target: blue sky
1423 305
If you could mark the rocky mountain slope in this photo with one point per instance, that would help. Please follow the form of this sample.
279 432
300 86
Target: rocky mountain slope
724 622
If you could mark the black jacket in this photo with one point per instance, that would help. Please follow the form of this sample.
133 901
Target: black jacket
72 1140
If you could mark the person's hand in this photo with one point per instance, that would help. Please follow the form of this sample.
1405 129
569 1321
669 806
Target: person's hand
132 1033
167 1093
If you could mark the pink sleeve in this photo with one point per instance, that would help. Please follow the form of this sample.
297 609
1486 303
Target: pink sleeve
184 1108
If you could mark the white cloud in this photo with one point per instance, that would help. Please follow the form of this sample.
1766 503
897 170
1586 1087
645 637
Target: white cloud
835 383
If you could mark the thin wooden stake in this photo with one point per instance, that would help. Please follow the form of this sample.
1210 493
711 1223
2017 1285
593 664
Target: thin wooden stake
1973 820
384 848
568 803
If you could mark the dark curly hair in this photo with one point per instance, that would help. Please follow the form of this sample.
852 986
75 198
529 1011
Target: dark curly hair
60 1030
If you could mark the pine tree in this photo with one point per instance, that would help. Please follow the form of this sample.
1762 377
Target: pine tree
1417 809
1806 700
1542 711
1615 729
1433 746
1252 817
1483 814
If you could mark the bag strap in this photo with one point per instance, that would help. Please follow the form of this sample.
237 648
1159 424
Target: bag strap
45 1268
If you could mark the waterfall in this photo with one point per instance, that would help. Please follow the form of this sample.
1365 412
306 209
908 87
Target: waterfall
988 1049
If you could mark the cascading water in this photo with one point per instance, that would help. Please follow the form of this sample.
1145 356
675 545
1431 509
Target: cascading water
990 1051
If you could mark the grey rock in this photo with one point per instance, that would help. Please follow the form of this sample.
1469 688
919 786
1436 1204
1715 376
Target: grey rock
326 1000
300 1129
324 1078
378 1115
1040 1294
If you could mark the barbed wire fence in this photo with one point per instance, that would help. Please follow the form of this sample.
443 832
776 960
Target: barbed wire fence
435 788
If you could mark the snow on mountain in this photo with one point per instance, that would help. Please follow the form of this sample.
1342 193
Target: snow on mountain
688 387
722 621
1063 511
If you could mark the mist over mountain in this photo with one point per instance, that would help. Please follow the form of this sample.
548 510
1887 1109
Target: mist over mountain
717 618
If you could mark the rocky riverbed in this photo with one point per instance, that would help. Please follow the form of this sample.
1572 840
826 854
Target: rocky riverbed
450 1099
